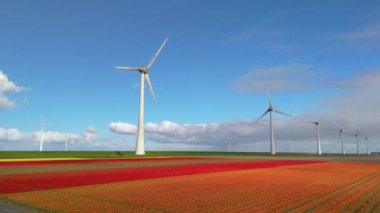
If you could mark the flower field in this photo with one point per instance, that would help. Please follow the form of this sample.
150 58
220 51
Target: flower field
193 185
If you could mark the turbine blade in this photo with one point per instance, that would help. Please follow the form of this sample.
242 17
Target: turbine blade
269 98
266 112
323 116
300 119
127 68
146 77
309 122
337 126
158 52
283 113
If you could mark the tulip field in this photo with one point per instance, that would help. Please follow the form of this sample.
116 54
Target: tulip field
191 184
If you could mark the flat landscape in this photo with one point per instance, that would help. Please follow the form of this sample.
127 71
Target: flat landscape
194 182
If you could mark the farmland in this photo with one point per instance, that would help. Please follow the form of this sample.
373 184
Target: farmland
192 182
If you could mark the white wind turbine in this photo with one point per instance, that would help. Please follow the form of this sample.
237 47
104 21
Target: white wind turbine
43 125
270 110
366 140
357 142
67 140
316 123
341 132
192 143
140 150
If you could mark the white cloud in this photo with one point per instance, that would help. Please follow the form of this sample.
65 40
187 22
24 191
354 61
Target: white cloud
15 135
123 128
90 134
295 77
6 103
7 86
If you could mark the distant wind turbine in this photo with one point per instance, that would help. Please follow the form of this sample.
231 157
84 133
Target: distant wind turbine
356 135
366 140
357 142
192 143
67 140
43 125
316 123
270 110
140 149
341 132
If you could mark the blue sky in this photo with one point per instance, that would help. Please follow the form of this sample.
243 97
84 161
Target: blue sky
65 51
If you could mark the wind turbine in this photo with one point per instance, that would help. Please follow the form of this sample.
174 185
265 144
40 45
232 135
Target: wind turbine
43 125
357 143
140 149
316 123
67 140
270 110
341 131
366 140
192 143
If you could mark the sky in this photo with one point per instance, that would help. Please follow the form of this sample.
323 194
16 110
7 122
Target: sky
211 79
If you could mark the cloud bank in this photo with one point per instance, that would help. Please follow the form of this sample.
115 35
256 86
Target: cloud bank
15 135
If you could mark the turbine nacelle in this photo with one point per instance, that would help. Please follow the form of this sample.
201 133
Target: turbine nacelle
143 69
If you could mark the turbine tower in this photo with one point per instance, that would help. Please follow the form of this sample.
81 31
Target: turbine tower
316 123
271 133
43 125
341 132
144 70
